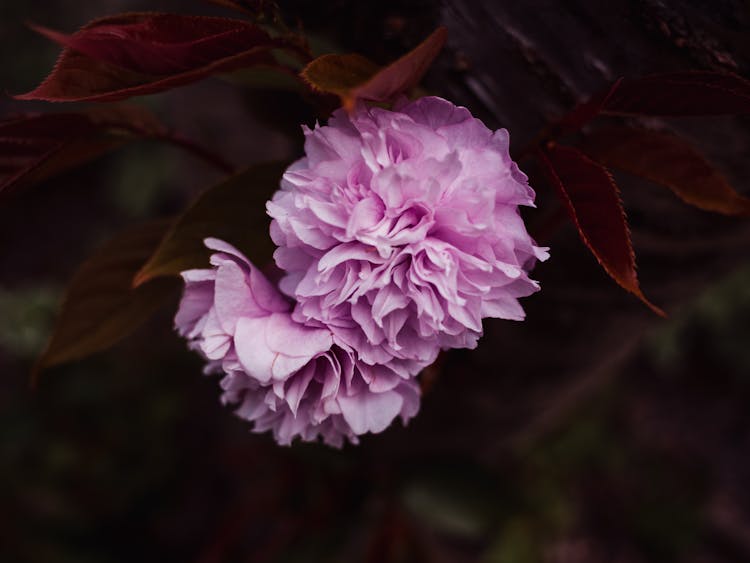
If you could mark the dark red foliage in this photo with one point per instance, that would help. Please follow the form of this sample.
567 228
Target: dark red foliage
667 160
101 307
250 7
36 147
126 55
586 111
27 142
592 200
681 94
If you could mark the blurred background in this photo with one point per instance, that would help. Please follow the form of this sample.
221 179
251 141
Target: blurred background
594 431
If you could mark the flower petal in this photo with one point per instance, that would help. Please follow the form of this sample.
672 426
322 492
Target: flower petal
370 412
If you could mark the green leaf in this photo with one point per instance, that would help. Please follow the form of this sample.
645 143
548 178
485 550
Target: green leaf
100 306
353 77
234 210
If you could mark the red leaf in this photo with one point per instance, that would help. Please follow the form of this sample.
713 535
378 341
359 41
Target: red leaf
592 200
585 112
353 77
249 7
126 55
100 306
681 93
36 147
669 161
122 119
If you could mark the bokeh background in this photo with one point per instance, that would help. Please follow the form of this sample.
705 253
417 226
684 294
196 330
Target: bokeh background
592 432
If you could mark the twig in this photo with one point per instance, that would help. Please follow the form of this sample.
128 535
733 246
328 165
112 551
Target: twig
203 153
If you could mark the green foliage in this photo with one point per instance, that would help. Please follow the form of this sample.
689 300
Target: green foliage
27 315
718 317
455 500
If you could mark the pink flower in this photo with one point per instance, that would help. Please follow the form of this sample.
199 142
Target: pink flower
286 377
400 231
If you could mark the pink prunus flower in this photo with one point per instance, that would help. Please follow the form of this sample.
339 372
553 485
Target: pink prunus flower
400 231
284 376
397 234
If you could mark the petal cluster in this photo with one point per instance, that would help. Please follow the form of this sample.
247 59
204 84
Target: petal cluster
283 375
397 233
400 231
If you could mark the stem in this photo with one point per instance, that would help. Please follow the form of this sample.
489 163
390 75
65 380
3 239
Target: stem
162 134
545 135
203 153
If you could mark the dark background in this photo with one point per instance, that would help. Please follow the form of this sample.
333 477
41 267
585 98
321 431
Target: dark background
594 431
